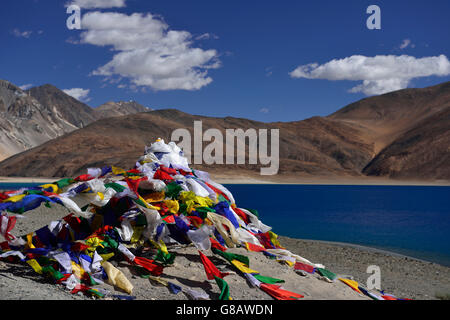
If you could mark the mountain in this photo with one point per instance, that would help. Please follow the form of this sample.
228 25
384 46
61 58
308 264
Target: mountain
421 152
121 108
410 130
60 103
32 117
386 117
25 122
403 134
314 146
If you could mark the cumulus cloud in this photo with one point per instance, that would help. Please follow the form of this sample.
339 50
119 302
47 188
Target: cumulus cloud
100 4
21 34
380 74
78 93
147 52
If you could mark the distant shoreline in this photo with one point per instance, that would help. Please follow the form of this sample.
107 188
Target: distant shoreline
329 181
370 181
365 248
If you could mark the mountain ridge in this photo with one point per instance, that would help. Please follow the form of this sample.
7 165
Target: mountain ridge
362 139
39 114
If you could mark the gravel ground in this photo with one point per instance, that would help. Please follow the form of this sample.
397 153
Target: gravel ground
401 276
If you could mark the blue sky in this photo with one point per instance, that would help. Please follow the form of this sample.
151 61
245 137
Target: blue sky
244 53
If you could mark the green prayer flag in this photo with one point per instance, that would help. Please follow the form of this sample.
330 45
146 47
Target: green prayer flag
326 273
165 258
255 212
40 192
232 256
96 293
110 242
115 186
268 280
55 274
173 189
225 290
64 182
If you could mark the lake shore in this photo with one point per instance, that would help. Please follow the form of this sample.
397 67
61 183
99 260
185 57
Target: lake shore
294 180
402 276
277 179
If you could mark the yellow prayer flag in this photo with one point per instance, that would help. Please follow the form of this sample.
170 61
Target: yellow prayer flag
35 265
351 283
241 266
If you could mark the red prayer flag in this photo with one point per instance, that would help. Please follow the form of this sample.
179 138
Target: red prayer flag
254 247
210 269
185 173
133 184
217 190
169 219
388 298
197 221
79 247
242 214
154 269
84 177
4 245
278 293
167 170
161 175
264 239
217 245
73 221
305 267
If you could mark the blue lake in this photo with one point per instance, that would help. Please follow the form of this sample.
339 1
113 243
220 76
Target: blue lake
17 185
411 220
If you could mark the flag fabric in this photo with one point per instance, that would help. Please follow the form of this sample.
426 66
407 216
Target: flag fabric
351 283
326 273
210 269
225 290
254 247
268 280
304 267
278 293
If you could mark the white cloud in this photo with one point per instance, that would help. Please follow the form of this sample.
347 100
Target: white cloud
26 86
380 74
21 34
405 44
264 110
147 52
101 4
207 36
78 93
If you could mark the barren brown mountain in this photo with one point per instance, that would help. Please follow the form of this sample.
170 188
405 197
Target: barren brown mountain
121 108
31 117
369 137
